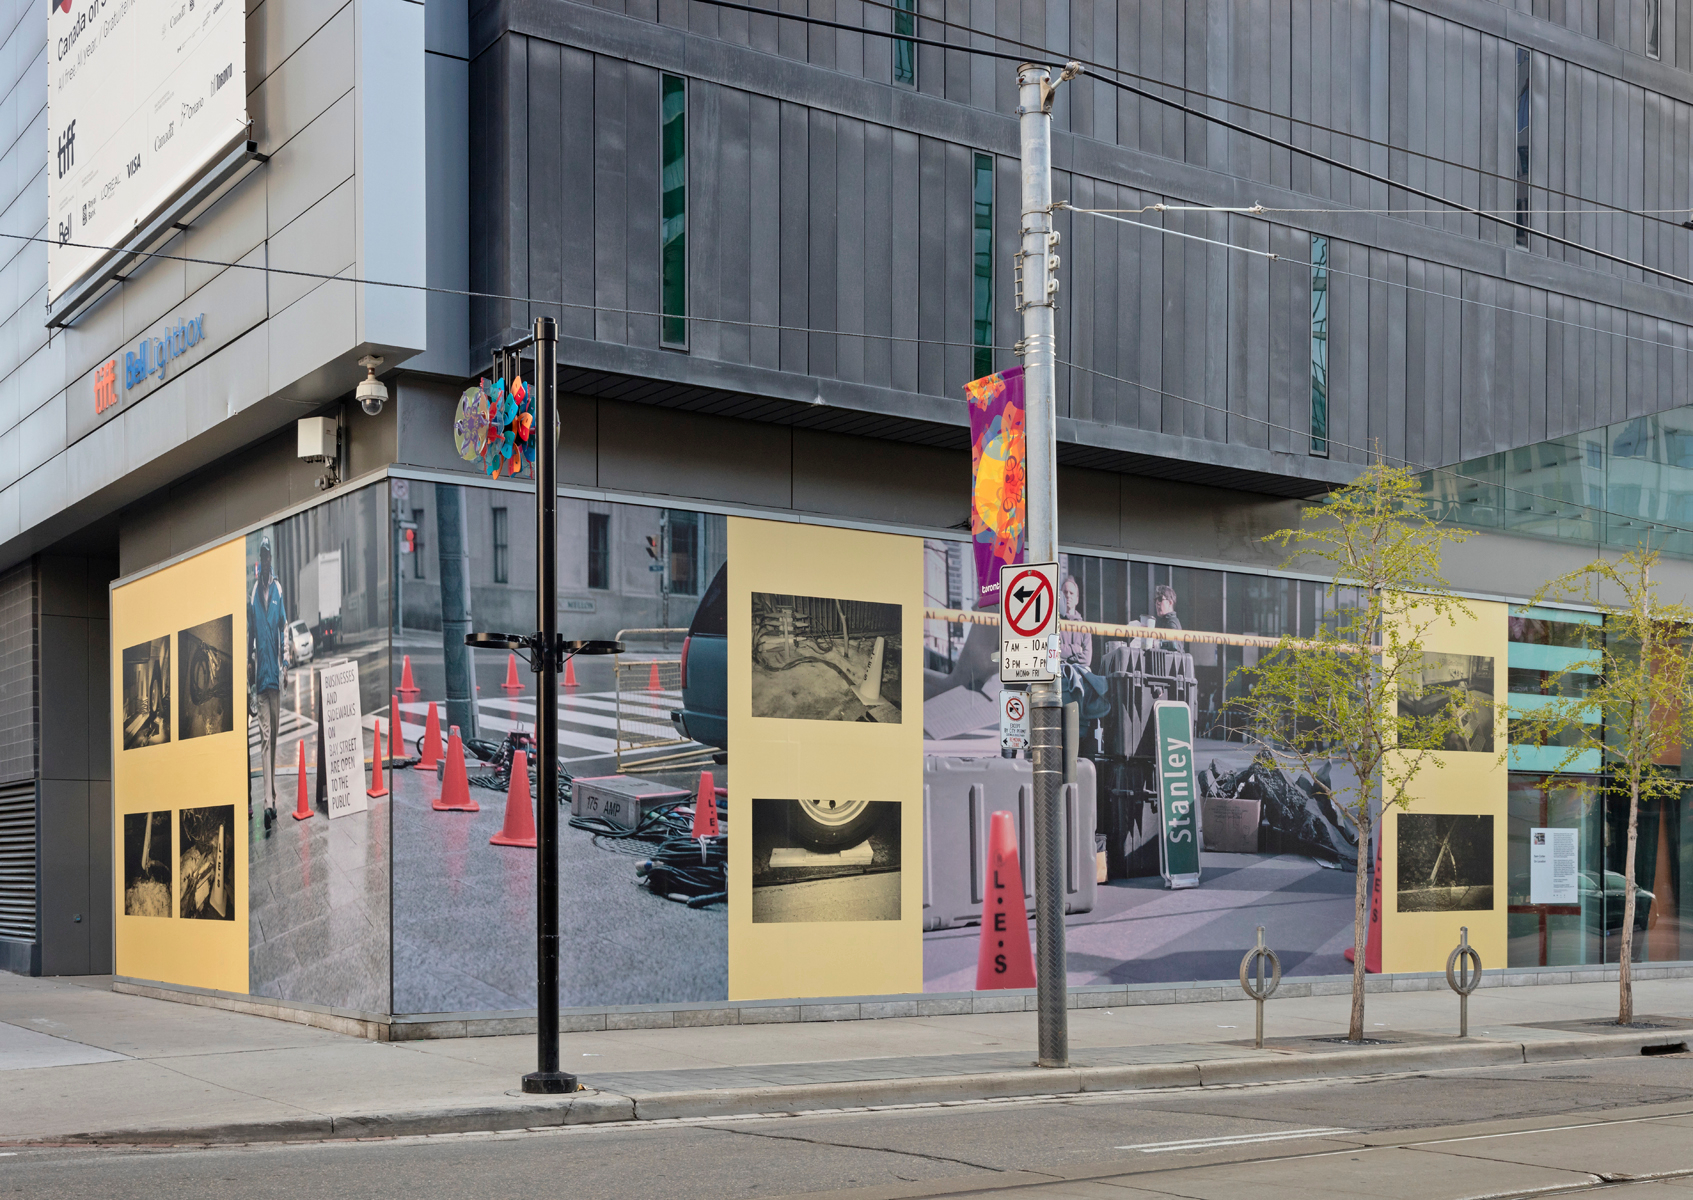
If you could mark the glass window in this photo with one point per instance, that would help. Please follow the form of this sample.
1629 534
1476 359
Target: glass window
982 298
502 546
905 52
599 550
673 232
1523 109
417 544
684 553
1319 346
1652 7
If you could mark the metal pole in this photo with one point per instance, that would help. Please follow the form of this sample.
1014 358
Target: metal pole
1036 299
547 1077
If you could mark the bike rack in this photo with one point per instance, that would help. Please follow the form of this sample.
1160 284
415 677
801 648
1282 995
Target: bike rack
1254 984
1461 978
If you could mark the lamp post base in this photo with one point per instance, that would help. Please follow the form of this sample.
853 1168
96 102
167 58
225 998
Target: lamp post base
550 1083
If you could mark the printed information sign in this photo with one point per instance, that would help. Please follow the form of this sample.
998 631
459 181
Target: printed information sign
341 737
1553 866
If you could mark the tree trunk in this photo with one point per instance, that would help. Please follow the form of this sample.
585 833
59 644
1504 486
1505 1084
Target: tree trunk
1361 927
1625 969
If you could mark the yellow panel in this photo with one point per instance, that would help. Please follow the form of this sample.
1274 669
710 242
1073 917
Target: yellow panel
178 774
798 759
1470 783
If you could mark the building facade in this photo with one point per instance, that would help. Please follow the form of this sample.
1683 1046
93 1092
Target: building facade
1300 233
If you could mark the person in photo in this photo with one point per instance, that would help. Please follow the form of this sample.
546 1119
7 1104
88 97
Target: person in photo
267 654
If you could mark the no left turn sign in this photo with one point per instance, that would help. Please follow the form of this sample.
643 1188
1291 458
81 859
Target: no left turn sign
1028 617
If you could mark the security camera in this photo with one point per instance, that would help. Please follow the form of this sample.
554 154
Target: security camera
372 393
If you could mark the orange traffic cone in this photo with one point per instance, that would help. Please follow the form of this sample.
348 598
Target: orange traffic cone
302 804
511 686
519 829
431 757
570 672
652 678
396 730
1003 959
455 784
377 787
408 688
705 808
1372 940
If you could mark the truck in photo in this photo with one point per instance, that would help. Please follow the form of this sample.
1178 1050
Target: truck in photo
318 603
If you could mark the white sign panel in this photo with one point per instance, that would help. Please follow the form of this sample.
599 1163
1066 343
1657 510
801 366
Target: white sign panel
1553 866
343 737
1028 622
141 96
1013 720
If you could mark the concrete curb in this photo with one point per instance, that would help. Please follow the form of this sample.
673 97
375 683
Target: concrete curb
596 1107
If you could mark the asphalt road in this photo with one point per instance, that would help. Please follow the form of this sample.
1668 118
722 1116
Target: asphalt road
1549 1128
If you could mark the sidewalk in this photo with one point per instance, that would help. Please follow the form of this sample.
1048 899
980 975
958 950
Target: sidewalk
80 1063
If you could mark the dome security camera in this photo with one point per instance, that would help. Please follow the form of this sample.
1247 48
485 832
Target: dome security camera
372 393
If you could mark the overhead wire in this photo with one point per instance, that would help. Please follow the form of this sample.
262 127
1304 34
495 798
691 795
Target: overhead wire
1097 70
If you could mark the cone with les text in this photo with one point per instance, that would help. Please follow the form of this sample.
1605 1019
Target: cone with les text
652 678
455 784
302 802
1003 959
519 829
377 787
408 688
705 808
512 685
570 672
431 756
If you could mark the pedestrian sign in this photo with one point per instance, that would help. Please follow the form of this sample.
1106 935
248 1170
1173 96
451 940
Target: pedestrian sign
1028 618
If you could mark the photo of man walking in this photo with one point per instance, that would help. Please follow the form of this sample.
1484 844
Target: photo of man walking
267 655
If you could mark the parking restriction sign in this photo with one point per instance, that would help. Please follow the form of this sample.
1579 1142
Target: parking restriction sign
1028 619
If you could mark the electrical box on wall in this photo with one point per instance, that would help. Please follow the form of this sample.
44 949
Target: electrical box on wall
316 439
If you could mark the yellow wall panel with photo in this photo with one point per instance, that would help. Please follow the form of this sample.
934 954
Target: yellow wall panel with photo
179 773
826 779
1450 843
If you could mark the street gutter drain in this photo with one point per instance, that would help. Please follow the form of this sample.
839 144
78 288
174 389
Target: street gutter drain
1666 1048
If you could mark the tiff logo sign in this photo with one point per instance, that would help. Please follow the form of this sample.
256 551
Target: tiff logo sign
105 385
67 149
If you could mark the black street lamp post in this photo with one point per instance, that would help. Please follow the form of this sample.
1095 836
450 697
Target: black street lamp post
546 652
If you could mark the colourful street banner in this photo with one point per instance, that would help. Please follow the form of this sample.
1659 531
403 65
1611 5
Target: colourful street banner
1178 795
998 506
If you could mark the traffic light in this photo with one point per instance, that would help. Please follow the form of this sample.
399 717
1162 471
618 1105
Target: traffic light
652 546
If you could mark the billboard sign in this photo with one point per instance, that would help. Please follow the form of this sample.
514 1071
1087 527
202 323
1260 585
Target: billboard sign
142 96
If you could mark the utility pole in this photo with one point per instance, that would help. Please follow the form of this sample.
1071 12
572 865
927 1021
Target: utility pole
1037 299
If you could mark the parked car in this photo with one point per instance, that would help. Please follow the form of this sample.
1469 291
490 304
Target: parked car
704 715
299 642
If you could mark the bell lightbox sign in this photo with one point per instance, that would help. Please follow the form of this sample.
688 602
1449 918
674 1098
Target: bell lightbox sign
142 95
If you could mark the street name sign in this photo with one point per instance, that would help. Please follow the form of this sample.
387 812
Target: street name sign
1178 795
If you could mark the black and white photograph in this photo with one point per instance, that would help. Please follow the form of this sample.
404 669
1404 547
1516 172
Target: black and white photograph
815 658
146 694
146 864
1465 683
207 862
205 693
825 860
1445 863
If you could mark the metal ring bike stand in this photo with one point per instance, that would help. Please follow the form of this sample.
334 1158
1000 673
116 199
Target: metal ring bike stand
1462 978
1252 978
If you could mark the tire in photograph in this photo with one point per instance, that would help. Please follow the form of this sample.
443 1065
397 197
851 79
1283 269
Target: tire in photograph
830 824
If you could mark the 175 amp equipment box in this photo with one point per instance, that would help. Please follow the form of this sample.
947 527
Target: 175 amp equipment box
622 799
959 797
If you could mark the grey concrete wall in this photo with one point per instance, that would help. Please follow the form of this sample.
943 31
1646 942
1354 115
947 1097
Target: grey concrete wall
75 831
823 196
336 89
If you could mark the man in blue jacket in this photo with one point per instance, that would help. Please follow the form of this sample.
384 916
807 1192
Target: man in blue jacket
267 658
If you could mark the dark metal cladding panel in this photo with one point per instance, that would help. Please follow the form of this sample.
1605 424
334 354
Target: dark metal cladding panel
576 191
876 262
545 261
611 199
645 205
706 217
795 192
764 229
849 249
733 255
823 219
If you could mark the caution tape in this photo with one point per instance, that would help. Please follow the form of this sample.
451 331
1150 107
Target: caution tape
1197 636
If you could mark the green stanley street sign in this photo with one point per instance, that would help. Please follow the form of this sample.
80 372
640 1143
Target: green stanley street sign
1178 795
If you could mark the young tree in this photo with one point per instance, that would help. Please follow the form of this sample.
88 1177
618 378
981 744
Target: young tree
1625 703
1333 700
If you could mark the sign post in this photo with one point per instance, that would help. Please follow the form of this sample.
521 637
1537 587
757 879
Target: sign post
1178 795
